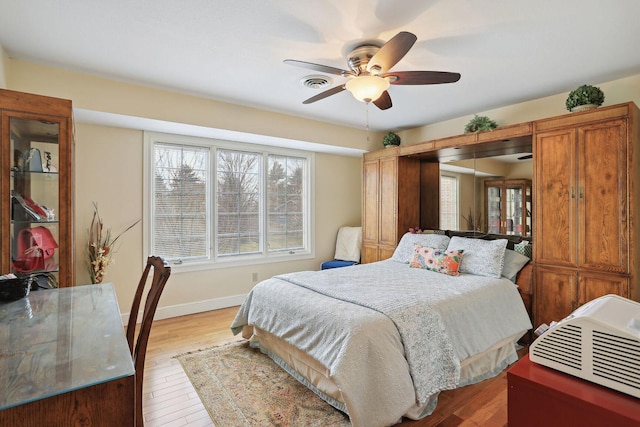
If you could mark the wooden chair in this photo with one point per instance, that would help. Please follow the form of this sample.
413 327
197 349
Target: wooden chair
161 272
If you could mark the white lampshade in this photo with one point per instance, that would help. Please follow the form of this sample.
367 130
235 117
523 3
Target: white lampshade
367 88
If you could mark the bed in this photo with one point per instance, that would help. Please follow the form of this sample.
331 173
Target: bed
379 341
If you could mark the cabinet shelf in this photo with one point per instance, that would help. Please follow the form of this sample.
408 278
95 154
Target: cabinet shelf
19 172
33 221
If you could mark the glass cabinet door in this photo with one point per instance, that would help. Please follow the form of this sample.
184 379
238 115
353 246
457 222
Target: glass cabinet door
36 188
513 215
508 206
35 200
494 209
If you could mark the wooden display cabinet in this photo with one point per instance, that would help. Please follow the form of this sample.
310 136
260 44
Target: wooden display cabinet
36 187
507 203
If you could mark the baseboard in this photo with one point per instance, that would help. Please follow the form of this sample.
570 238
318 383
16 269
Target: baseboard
191 308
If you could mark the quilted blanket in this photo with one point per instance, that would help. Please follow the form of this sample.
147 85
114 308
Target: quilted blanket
391 336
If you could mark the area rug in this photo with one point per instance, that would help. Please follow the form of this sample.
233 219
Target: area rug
240 386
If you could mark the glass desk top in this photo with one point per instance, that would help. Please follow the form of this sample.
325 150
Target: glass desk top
58 340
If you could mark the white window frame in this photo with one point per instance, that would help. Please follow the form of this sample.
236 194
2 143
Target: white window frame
213 261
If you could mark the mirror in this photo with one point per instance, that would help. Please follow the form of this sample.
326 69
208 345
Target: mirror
493 194
477 162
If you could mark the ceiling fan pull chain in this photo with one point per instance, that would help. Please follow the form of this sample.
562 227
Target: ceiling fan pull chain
367 122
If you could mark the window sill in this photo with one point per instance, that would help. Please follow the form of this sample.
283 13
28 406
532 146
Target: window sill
250 260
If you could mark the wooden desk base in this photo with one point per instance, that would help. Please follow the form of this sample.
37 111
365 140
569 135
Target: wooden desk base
102 405
540 396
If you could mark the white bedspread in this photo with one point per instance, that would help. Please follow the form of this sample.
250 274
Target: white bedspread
390 335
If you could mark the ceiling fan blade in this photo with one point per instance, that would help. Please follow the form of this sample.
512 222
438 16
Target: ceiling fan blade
384 101
421 77
318 67
325 94
392 51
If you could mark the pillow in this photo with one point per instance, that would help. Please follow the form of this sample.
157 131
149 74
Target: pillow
438 260
348 244
513 263
405 249
481 257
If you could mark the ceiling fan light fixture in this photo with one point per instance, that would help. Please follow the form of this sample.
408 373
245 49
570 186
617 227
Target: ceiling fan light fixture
367 88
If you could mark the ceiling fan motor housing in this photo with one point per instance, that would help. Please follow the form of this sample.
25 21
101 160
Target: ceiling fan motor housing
360 56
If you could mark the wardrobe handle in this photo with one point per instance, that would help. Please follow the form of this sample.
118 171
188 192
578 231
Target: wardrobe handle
572 192
581 192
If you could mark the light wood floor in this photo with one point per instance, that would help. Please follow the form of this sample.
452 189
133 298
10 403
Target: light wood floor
171 401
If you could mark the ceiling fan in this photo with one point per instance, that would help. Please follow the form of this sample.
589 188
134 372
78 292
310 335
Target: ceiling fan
369 75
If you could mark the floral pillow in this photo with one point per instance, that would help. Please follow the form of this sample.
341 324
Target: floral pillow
438 260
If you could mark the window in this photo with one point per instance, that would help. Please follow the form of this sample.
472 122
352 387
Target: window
448 202
180 200
285 203
238 203
215 202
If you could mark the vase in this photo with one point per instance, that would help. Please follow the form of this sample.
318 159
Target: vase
584 107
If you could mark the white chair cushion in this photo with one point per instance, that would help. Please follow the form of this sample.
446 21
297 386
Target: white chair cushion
348 244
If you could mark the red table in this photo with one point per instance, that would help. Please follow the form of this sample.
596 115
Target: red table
540 396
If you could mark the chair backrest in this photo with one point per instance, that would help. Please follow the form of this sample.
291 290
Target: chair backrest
138 347
348 243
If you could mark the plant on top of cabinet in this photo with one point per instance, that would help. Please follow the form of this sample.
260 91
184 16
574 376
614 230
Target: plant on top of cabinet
391 139
479 124
585 97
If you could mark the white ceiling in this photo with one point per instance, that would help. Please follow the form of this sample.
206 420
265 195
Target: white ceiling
508 51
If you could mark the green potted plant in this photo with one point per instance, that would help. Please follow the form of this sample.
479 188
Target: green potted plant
586 97
391 139
479 124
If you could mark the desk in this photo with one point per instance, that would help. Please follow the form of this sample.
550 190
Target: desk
64 360
541 396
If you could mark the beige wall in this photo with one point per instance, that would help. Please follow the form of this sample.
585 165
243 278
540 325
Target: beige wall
4 65
99 94
617 91
109 171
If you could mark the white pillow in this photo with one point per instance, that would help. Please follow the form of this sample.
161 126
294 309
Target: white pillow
348 244
513 263
406 247
481 257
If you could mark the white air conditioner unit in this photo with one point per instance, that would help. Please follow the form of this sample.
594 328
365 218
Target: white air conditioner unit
599 342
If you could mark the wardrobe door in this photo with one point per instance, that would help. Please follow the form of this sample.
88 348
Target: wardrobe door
388 203
555 294
370 211
602 197
555 218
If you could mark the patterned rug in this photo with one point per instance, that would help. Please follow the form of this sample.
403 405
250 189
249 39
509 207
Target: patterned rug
240 386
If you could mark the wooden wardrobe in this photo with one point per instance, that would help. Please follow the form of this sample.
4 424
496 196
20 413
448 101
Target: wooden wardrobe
391 202
587 193
586 200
